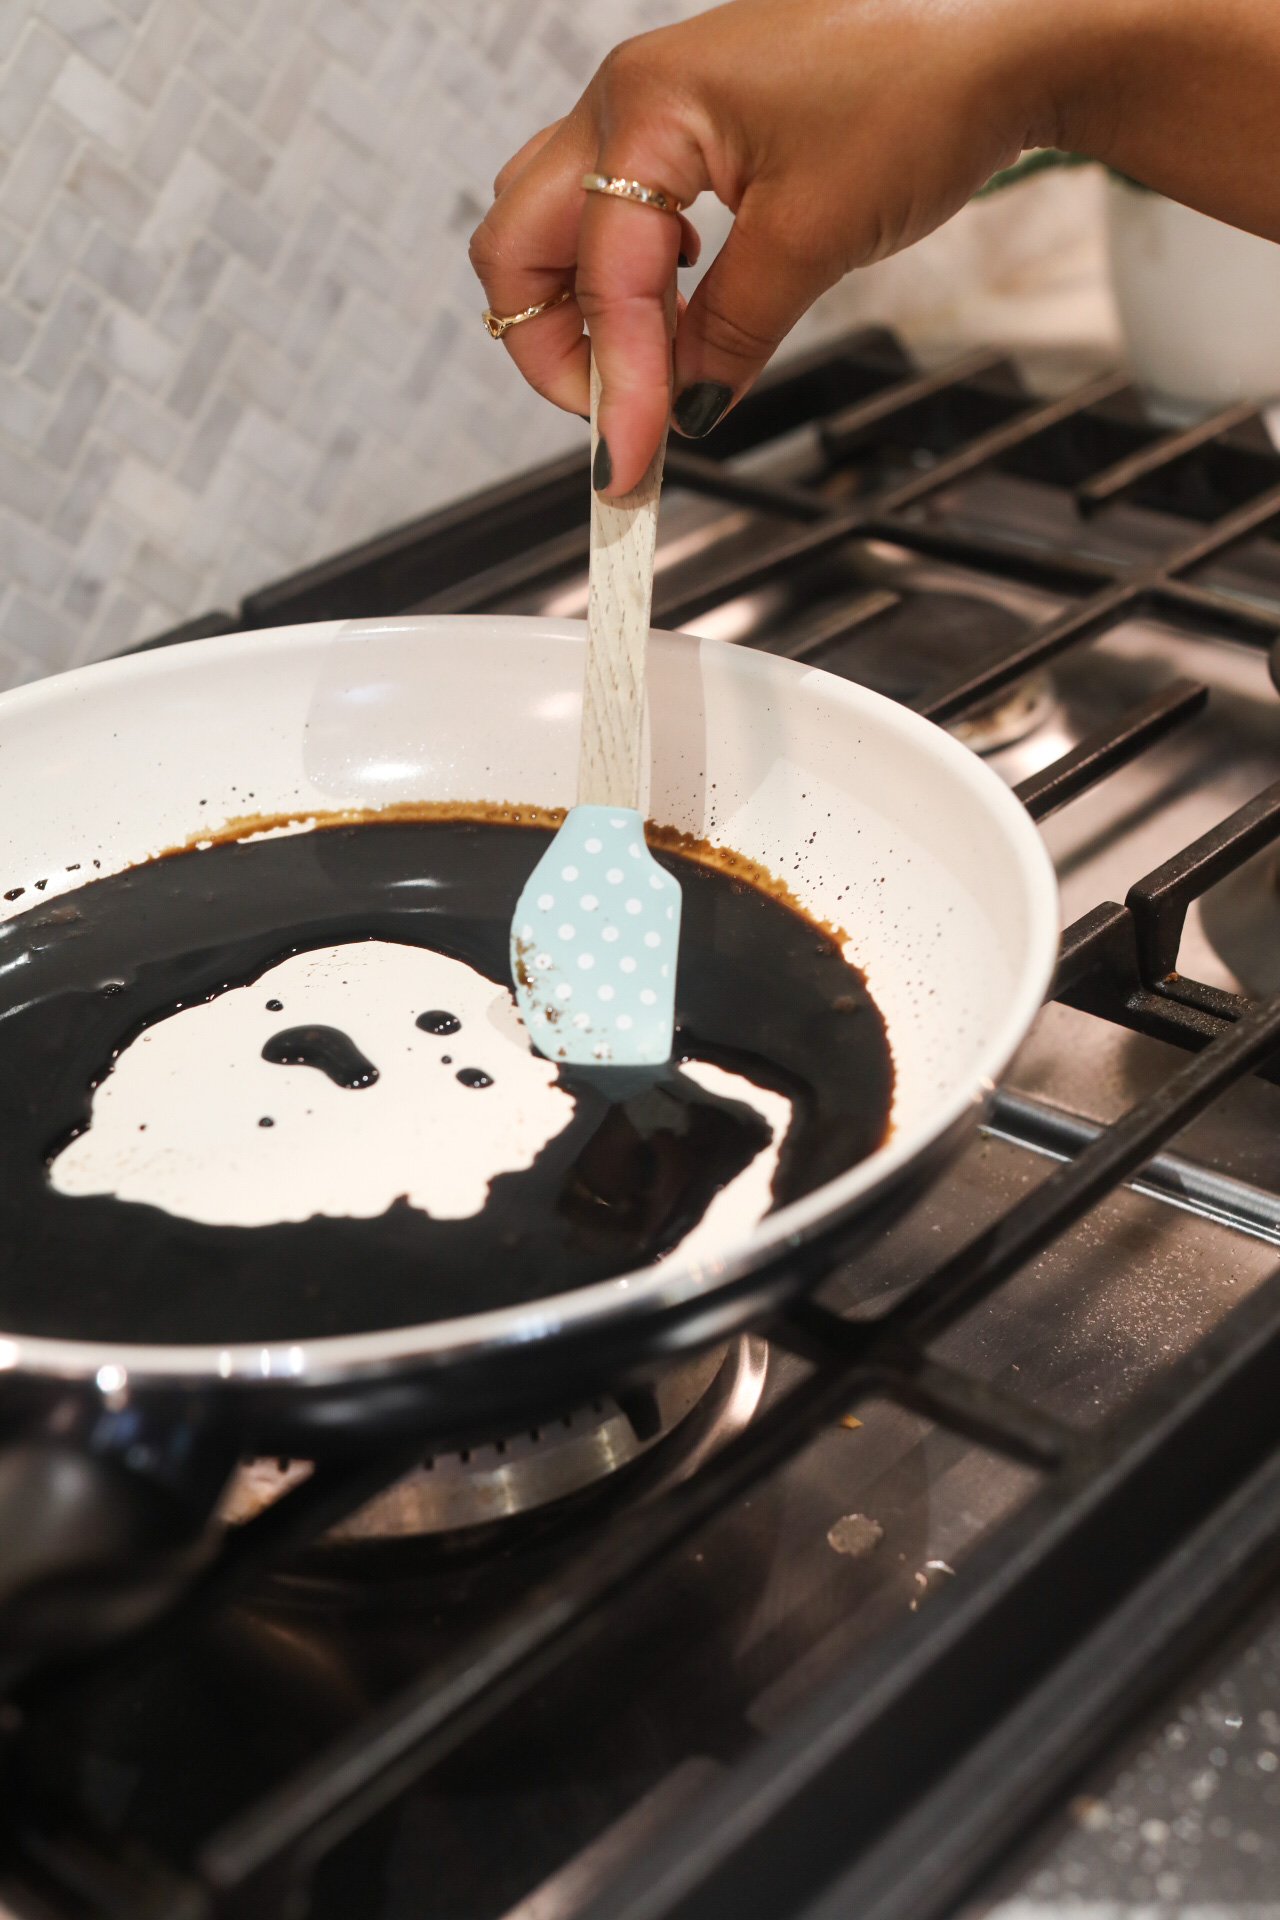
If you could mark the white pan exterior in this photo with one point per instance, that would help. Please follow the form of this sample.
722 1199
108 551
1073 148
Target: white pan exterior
877 820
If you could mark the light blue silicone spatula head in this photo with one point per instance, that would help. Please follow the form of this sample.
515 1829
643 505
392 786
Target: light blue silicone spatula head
594 944
596 932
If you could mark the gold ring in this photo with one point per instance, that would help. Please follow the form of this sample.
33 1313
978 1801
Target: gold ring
632 190
496 324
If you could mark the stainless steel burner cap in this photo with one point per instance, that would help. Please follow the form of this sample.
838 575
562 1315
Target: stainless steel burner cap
1017 712
478 1485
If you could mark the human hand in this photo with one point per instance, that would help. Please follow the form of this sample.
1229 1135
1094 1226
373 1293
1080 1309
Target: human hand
837 131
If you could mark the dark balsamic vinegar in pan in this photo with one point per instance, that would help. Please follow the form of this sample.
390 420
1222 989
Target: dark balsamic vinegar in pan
762 992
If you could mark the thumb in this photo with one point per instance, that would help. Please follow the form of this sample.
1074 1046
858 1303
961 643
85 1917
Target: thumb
760 283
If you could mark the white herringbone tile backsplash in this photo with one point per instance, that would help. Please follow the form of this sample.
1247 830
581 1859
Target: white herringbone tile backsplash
238 329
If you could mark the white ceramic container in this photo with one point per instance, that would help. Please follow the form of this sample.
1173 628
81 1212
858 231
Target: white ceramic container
1199 303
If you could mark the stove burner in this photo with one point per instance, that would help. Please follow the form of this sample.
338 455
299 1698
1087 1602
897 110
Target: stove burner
709 1398
1009 718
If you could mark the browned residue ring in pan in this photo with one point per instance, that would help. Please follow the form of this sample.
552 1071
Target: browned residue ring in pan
664 839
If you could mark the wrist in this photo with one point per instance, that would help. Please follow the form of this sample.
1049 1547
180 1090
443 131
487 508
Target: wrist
1063 63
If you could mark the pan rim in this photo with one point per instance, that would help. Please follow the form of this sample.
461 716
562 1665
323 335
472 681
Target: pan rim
647 1292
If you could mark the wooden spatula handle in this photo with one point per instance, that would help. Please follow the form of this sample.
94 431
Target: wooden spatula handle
623 534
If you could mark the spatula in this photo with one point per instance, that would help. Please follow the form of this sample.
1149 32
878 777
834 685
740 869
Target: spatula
596 931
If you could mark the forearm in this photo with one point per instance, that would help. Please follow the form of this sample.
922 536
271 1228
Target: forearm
1183 95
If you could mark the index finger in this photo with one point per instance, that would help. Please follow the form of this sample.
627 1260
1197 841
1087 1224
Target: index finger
626 267
627 251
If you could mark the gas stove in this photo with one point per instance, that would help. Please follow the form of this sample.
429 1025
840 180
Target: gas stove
831 1620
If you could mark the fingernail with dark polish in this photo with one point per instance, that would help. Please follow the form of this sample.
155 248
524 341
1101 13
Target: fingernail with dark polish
684 261
700 406
601 466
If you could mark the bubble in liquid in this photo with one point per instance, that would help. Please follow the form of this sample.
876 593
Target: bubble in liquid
474 1077
440 1020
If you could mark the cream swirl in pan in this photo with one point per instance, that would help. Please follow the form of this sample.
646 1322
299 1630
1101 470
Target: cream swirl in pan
344 1080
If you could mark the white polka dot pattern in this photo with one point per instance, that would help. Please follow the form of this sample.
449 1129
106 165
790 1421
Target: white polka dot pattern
600 989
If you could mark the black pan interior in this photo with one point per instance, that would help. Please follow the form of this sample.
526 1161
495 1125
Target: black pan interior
760 990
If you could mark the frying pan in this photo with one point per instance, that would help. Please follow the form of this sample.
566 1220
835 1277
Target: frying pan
113 1454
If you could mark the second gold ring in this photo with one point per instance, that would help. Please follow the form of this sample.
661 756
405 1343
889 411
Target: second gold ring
496 324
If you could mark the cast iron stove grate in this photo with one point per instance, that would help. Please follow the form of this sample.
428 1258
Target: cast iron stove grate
942 1739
